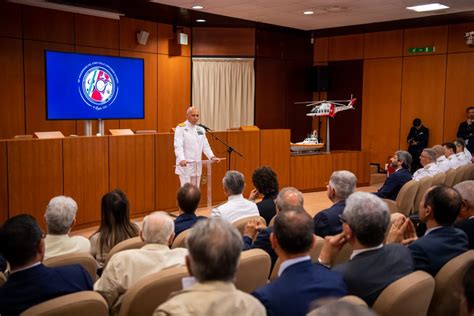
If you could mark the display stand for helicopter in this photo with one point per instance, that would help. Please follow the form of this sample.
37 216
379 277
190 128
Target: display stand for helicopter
328 140
88 127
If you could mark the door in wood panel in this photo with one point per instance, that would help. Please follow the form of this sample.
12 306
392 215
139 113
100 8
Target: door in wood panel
459 92
275 152
3 182
354 161
12 106
128 35
311 172
35 89
382 91
35 175
383 44
132 169
436 36
10 19
48 25
221 41
96 31
174 90
423 87
346 47
86 175
166 181
150 82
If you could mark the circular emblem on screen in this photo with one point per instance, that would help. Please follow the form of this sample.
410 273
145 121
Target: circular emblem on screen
98 85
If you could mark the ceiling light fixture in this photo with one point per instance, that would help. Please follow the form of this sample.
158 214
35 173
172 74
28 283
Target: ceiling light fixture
200 20
428 7
308 12
197 7
335 8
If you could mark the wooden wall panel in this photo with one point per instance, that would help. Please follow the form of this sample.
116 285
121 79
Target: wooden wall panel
456 39
150 120
128 35
209 41
218 169
381 111
459 92
48 25
35 175
10 19
312 172
174 90
427 36
383 44
166 182
96 32
269 44
86 175
356 162
12 104
35 89
275 152
3 182
247 143
166 36
320 51
132 169
423 86
346 47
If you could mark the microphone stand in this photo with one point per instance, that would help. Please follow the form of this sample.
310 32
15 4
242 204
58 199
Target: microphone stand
229 149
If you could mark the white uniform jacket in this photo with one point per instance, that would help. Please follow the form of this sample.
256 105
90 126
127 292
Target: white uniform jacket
427 171
189 144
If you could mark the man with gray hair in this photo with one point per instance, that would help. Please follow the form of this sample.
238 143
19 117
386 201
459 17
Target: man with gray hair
372 265
341 184
428 161
237 206
466 215
214 252
401 161
60 217
127 267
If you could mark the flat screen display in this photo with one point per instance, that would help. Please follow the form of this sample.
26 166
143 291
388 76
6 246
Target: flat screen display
88 87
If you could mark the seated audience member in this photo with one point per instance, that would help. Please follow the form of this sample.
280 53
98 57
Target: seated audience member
466 215
441 161
30 282
237 206
401 161
372 265
428 161
341 184
266 182
214 252
287 198
188 197
126 267
438 209
115 225
60 216
341 308
300 281
450 153
461 152
468 289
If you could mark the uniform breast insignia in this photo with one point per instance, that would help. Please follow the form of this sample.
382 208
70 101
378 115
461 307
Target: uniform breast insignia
200 132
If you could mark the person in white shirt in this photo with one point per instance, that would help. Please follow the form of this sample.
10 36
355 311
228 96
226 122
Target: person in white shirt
237 206
60 217
428 161
441 161
460 152
450 153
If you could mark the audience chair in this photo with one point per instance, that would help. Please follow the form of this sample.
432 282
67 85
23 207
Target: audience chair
447 297
3 278
343 255
131 243
84 259
439 178
276 267
407 296
471 172
460 172
240 223
316 250
406 197
425 184
392 205
353 300
467 173
75 304
151 291
450 176
178 242
272 221
253 270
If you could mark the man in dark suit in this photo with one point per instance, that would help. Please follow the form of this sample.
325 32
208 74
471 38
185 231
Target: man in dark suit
466 129
465 220
372 266
417 140
188 197
30 282
441 242
286 198
300 281
340 186
401 161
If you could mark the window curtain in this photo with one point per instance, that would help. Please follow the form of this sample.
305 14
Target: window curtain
224 89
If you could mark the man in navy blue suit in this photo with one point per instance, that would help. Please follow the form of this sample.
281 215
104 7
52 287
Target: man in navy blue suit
30 282
341 185
401 161
300 281
188 197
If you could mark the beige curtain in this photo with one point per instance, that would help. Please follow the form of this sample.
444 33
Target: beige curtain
224 89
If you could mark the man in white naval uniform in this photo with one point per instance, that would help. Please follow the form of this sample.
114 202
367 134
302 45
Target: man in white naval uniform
461 152
428 161
190 142
450 153
441 161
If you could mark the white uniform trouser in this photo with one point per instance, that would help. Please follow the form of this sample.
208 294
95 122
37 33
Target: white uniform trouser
196 180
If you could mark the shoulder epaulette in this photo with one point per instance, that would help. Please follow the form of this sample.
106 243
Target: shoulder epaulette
182 124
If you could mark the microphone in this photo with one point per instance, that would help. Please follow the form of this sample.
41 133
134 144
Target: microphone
205 127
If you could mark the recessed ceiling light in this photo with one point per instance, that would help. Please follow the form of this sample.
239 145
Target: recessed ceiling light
335 8
200 20
308 12
197 7
428 7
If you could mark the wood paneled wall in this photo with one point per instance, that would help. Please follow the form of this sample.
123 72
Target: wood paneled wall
209 41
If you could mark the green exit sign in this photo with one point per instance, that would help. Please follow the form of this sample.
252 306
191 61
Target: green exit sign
427 49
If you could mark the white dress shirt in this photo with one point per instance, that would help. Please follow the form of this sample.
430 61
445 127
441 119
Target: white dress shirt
443 163
235 208
463 159
454 162
427 171
56 245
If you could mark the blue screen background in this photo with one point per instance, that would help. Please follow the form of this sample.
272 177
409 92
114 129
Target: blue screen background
63 100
